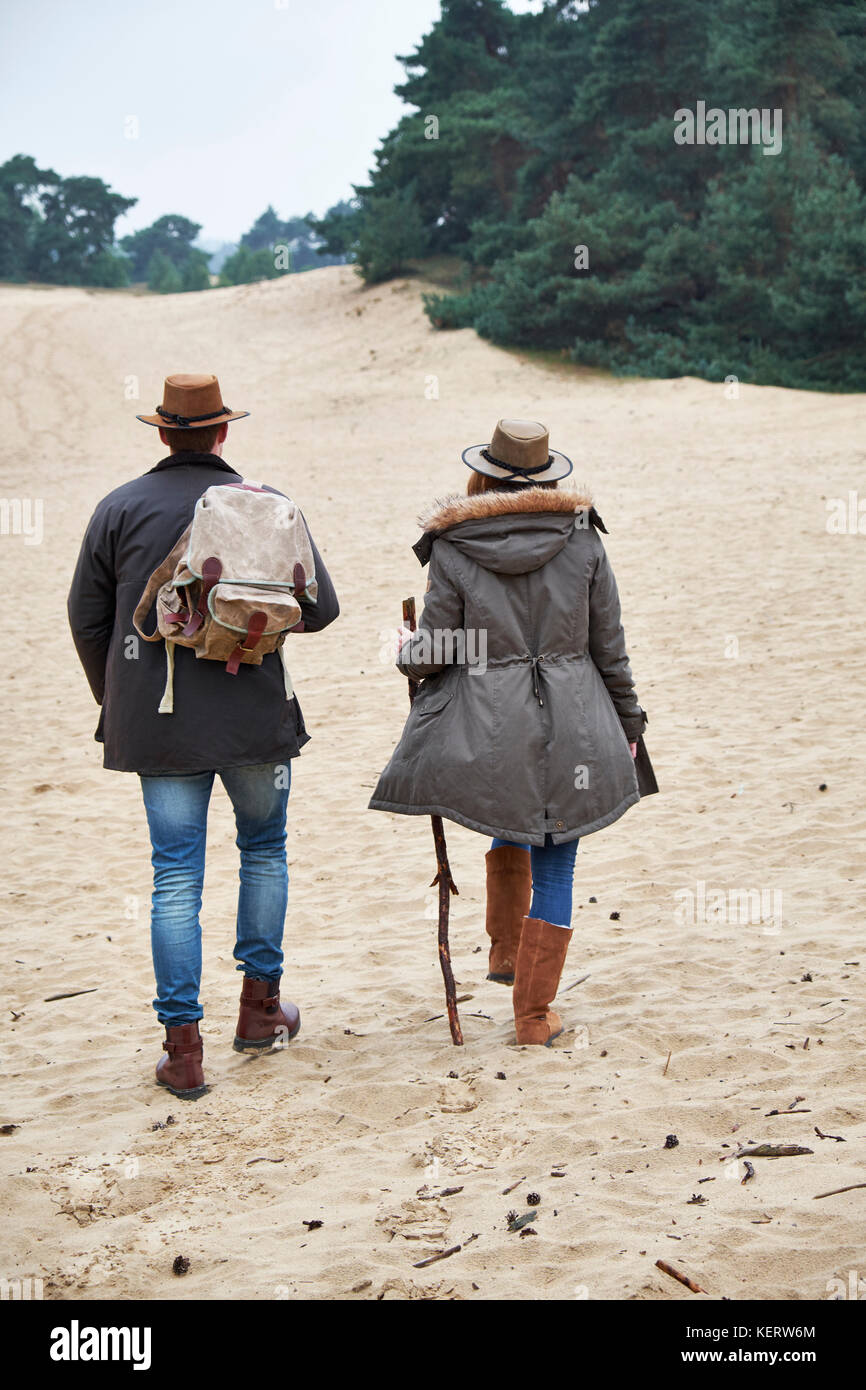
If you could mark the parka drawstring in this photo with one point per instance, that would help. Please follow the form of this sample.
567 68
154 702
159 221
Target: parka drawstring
535 660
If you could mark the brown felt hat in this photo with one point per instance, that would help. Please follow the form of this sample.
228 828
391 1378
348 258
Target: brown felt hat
191 403
519 452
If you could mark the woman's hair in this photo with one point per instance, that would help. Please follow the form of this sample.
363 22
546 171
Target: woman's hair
482 482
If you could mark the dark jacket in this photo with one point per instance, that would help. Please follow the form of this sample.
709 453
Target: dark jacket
530 736
219 720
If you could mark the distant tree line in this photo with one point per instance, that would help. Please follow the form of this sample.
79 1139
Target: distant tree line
58 230
62 231
271 247
540 166
164 257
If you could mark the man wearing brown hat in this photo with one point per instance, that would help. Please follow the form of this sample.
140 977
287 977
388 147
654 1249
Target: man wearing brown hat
241 726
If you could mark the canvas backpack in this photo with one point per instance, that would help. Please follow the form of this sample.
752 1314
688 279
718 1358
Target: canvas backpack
229 587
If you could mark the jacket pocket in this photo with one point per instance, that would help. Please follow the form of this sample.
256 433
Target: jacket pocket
433 703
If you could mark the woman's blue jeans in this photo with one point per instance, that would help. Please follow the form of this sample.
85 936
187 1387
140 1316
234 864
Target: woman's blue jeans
177 809
552 879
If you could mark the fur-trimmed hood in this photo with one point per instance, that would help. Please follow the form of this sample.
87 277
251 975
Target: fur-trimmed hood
508 532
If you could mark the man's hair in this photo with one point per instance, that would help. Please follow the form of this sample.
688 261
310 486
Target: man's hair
200 441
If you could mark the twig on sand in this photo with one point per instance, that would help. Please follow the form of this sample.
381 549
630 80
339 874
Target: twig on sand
773 1151
836 1190
792 1023
265 1158
791 1109
574 984
837 1137
506 1190
667 1063
73 994
679 1276
750 1172
443 1254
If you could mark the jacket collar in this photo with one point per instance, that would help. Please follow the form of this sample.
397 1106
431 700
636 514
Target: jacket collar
191 456
453 511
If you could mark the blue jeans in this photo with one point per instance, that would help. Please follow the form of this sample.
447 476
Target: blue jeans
552 879
176 809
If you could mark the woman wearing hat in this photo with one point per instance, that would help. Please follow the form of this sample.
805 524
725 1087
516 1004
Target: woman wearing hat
526 725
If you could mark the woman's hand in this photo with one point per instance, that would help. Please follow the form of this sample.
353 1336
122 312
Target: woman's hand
632 748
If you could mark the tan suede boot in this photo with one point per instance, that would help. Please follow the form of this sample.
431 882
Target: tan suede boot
180 1071
509 890
542 953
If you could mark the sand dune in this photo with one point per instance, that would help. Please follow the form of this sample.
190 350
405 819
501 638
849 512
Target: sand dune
716 511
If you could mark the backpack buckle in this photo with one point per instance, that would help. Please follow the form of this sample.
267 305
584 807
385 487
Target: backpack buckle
255 627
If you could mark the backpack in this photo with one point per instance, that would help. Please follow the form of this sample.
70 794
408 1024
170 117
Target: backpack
229 587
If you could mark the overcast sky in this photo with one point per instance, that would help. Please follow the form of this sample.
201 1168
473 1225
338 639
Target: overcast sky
231 104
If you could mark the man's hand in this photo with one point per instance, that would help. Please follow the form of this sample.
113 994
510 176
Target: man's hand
632 748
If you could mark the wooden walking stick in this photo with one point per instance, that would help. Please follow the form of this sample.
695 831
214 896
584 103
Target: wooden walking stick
443 878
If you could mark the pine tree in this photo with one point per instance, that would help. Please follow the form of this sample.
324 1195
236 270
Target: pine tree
705 259
163 276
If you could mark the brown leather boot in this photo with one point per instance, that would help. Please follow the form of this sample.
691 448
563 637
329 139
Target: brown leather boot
509 890
540 959
263 1021
180 1071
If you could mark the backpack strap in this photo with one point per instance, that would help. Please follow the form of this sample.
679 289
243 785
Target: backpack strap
287 679
166 704
211 570
160 576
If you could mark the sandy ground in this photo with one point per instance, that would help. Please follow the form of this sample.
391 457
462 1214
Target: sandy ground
744 623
